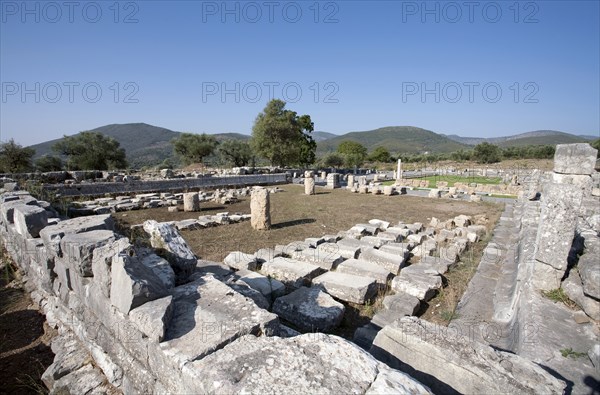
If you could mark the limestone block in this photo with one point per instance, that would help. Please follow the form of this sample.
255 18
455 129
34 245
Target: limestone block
347 287
574 290
166 238
364 268
310 309
389 261
133 284
30 220
78 249
301 364
447 361
560 205
325 259
309 186
589 269
52 234
419 283
575 159
260 208
291 272
191 202
435 193
152 317
102 258
239 260
269 287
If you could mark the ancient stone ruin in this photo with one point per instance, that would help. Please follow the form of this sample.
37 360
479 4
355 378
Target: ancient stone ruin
159 319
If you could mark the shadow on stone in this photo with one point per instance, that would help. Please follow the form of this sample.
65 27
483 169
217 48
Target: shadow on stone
570 384
437 386
593 383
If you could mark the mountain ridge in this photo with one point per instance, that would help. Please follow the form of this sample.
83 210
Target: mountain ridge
150 145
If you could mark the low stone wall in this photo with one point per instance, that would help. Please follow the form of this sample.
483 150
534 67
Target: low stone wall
169 185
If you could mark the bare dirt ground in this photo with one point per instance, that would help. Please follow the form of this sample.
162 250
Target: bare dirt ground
24 337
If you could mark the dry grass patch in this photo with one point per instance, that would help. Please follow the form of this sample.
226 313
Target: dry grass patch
296 216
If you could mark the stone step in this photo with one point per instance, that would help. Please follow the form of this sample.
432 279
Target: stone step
348 248
391 262
347 287
359 267
293 273
419 282
326 260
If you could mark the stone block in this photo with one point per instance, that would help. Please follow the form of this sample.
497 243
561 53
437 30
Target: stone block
30 220
324 259
310 309
52 234
191 202
347 287
239 260
167 239
449 362
133 284
291 272
389 261
152 318
589 270
260 208
78 249
364 268
575 159
199 326
300 364
422 284
560 205
269 287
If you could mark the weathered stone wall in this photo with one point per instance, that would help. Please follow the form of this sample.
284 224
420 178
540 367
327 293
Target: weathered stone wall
172 185
166 324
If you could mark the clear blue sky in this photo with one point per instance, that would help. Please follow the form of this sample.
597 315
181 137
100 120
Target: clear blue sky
519 66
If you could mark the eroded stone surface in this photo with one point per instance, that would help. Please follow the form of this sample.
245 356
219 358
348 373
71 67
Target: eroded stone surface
305 364
447 361
310 309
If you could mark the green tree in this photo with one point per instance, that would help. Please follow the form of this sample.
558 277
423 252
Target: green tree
14 158
486 153
48 163
380 154
283 137
192 148
237 152
333 159
91 151
354 153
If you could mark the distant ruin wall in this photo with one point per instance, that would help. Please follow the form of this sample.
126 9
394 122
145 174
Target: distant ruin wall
170 185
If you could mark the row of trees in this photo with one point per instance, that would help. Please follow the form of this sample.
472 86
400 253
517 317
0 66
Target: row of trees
84 151
279 135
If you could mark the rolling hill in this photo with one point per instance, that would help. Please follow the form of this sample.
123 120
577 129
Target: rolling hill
537 137
148 145
145 145
322 136
397 139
